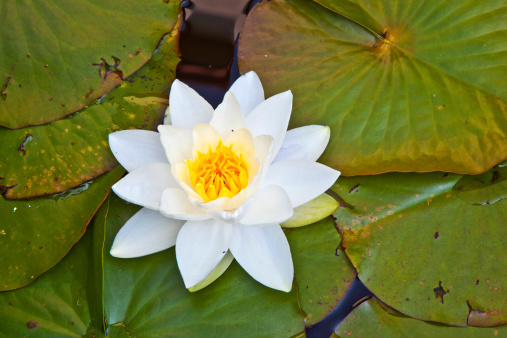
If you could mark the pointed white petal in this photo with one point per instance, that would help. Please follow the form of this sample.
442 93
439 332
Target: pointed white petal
248 91
145 233
187 107
302 180
200 246
177 143
228 116
265 254
269 205
304 143
242 142
217 272
271 117
264 148
204 137
144 186
135 148
175 204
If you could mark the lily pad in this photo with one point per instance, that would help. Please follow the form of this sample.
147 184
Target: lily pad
52 158
404 86
56 58
374 319
64 302
36 234
431 246
146 295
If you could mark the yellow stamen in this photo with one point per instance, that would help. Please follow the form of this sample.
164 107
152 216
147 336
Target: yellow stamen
218 173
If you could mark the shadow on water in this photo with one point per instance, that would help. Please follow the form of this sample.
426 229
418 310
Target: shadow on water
208 45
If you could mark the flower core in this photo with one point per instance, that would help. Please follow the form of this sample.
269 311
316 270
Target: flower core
218 173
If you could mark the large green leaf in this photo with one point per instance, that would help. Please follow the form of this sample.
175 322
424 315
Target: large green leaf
404 86
54 157
146 296
57 57
432 246
64 302
36 234
374 319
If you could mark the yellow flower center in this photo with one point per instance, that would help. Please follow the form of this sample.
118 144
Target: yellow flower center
218 173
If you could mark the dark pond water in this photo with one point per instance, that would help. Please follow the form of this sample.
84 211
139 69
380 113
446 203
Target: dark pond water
208 64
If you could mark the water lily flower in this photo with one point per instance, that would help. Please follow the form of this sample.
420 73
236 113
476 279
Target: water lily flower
220 182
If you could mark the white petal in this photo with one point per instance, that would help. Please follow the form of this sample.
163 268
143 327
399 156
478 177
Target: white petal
187 107
302 180
217 272
145 233
304 143
264 152
177 143
264 147
200 246
214 205
239 199
248 91
144 186
271 117
242 142
265 254
175 204
232 216
135 148
228 116
269 205
180 173
204 137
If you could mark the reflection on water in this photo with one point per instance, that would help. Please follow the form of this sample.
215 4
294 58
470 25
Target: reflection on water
207 45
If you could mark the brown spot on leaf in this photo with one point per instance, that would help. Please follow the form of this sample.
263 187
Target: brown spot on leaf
31 324
436 235
496 175
6 83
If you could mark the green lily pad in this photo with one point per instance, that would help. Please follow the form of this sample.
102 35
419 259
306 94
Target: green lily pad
404 86
36 234
64 302
52 158
56 58
374 319
146 295
432 246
